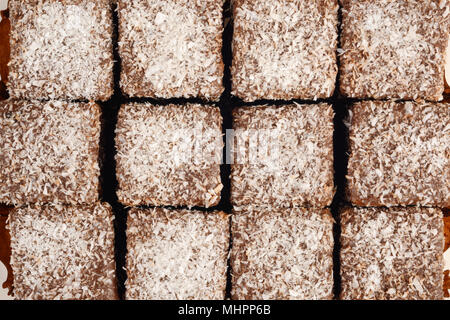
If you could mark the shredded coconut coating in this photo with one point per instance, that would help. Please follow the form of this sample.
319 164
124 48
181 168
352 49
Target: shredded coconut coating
49 152
399 154
176 254
394 48
61 49
282 254
63 252
171 48
297 170
392 253
284 49
169 155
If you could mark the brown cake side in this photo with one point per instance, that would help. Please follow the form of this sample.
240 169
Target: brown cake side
283 155
393 49
393 253
447 250
63 252
171 48
282 254
5 251
284 49
4 52
399 154
169 155
61 49
176 254
49 151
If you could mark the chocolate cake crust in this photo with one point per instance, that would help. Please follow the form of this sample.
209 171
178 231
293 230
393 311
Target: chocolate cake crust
169 155
61 49
171 48
176 254
297 169
399 154
282 254
63 252
49 152
284 50
391 253
394 48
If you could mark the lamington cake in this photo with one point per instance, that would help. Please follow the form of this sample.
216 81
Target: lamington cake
282 254
61 49
171 48
391 253
394 48
399 154
63 252
282 155
284 50
176 254
49 152
169 155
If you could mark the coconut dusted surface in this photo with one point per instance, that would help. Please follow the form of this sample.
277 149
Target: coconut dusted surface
176 254
50 152
284 49
297 168
282 253
399 154
393 253
61 49
63 252
169 155
394 48
171 48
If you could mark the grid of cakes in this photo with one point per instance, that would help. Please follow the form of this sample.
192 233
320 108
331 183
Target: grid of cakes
281 228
